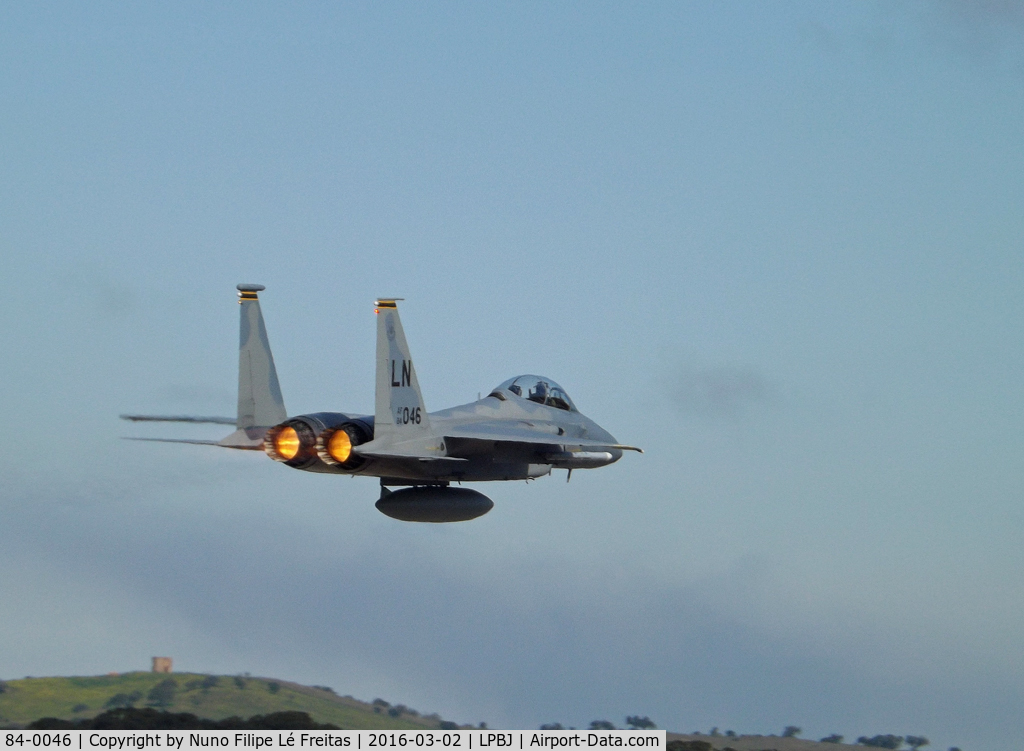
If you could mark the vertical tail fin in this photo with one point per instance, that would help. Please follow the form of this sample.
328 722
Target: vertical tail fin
399 410
260 403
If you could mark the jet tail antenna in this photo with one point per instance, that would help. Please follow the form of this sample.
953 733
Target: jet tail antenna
260 403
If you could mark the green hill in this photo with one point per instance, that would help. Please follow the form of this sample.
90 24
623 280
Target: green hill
215 697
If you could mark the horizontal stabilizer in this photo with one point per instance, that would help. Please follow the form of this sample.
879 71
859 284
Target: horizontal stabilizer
179 418
172 440
250 439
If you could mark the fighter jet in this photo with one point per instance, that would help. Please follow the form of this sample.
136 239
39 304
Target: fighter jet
521 430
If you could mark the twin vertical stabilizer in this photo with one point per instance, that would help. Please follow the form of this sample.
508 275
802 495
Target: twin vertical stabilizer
399 412
260 403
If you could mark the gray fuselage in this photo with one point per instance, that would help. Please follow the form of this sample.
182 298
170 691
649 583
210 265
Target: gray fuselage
480 443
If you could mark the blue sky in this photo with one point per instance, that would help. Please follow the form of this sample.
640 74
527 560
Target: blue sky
778 245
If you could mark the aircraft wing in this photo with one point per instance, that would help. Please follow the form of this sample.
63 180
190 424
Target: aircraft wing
504 432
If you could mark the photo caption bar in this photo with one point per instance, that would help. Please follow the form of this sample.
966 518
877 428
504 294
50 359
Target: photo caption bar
357 740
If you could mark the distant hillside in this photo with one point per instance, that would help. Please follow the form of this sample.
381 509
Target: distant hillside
758 743
215 697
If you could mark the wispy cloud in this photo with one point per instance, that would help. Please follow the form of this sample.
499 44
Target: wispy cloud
981 30
1005 13
724 391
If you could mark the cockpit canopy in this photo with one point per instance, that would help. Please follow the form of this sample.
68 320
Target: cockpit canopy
538 389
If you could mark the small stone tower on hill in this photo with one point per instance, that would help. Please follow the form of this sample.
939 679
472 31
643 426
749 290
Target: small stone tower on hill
161 664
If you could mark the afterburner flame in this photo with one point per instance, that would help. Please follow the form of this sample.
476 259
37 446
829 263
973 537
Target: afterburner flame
340 446
286 443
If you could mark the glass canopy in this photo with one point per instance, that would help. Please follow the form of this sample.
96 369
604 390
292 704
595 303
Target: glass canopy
538 389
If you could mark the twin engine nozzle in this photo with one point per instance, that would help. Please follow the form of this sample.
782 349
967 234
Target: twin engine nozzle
325 438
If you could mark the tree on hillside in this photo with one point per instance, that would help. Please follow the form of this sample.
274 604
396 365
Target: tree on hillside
640 723
601 725
162 694
3 687
150 719
916 741
834 738
688 746
791 731
881 741
552 726
123 700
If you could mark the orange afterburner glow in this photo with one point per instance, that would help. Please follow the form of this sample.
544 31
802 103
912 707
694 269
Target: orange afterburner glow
286 443
340 446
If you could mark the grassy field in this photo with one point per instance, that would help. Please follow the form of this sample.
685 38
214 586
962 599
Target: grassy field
215 697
